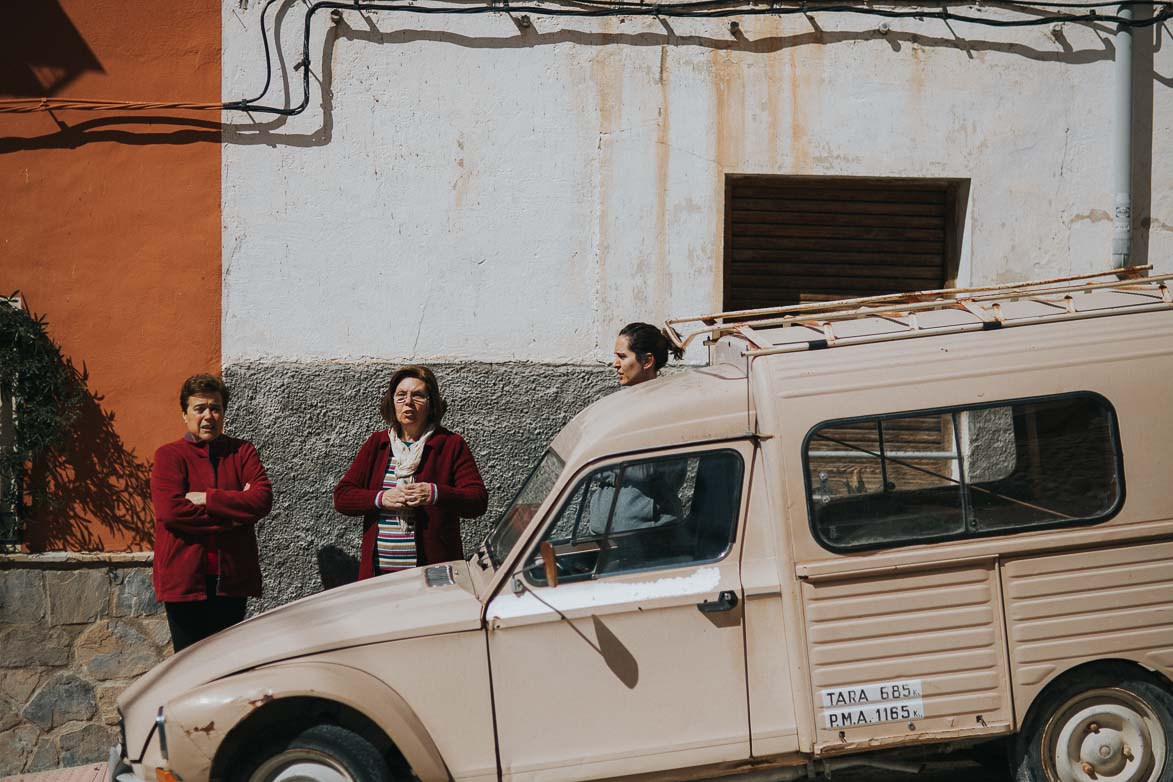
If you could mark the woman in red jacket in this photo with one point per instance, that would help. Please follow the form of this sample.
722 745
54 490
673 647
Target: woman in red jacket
411 482
208 490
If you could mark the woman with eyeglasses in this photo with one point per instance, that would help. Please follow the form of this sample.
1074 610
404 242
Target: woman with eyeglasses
411 482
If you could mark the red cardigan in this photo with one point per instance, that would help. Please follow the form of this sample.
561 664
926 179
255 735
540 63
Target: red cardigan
446 462
183 529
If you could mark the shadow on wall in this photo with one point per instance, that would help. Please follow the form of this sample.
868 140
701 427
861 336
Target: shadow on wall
136 129
91 483
336 567
528 37
43 53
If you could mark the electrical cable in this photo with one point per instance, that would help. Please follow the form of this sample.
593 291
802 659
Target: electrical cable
813 5
31 105
692 9
268 57
686 10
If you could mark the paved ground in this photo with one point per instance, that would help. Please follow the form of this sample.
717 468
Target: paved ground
95 772
941 772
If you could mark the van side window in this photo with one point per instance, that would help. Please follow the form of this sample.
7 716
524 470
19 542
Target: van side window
646 514
970 471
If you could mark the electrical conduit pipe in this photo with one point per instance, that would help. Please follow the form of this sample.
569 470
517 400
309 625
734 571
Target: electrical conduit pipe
1122 152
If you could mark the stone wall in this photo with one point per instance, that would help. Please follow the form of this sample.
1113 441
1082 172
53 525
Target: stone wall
75 630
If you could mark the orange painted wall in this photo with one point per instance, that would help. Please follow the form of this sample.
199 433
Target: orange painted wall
110 227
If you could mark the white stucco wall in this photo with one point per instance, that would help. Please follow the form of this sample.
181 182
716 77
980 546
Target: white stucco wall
470 190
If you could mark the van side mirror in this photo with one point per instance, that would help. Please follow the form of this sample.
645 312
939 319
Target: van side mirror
550 563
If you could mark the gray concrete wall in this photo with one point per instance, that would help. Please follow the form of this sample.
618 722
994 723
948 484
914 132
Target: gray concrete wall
308 419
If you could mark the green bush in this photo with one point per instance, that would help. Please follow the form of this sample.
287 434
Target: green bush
41 385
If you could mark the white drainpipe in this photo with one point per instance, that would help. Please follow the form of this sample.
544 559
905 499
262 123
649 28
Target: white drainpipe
1122 153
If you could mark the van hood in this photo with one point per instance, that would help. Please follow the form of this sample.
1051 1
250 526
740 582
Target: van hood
387 608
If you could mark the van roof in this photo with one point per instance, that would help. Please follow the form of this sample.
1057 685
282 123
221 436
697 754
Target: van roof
711 403
925 313
702 404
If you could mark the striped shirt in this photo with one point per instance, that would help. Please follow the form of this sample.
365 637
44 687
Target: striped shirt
395 545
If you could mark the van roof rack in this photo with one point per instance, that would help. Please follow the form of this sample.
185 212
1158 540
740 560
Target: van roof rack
811 326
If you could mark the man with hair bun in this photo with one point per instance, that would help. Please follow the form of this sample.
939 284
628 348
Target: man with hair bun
208 490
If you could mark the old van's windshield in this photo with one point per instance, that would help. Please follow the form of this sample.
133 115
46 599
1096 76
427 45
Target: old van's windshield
519 513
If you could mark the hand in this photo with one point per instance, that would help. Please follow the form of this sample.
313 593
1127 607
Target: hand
394 499
417 494
197 497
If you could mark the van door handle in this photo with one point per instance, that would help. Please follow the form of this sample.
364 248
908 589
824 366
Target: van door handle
726 601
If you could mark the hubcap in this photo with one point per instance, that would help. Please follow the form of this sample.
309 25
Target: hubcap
1105 735
301 765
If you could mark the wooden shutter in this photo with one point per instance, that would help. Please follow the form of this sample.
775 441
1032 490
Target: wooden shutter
795 239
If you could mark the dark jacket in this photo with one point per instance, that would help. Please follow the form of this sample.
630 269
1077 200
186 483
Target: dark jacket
446 462
184 531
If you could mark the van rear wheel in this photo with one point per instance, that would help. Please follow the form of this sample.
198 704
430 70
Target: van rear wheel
1103 728
323 753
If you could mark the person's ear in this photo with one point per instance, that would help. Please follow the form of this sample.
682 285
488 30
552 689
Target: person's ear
648 362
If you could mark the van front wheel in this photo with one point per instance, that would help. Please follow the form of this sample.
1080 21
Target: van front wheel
323 753
1102 728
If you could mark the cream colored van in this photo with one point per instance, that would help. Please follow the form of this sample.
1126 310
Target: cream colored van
869 531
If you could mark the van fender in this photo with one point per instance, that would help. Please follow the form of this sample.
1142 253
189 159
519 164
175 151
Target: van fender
197 722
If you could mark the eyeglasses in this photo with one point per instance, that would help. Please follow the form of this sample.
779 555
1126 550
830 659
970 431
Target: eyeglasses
418 398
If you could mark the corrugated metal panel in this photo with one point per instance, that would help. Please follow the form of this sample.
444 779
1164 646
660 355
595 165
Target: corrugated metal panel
794 239
1067 609
941 628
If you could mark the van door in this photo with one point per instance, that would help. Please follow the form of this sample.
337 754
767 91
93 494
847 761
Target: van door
906 643
635 660
906 658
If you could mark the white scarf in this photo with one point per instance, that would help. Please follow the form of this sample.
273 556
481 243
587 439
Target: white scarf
407 457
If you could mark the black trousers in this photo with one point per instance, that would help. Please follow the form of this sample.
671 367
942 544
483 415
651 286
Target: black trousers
196 620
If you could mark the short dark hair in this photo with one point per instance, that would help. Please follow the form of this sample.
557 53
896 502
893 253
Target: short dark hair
645 339
436 403
202 385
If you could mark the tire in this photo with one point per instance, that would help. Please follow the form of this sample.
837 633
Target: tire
1101 727
323 753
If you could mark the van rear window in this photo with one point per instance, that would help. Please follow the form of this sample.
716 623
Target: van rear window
968 471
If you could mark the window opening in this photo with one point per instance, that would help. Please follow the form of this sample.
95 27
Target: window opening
645 514
800 239
1016 466
525 504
